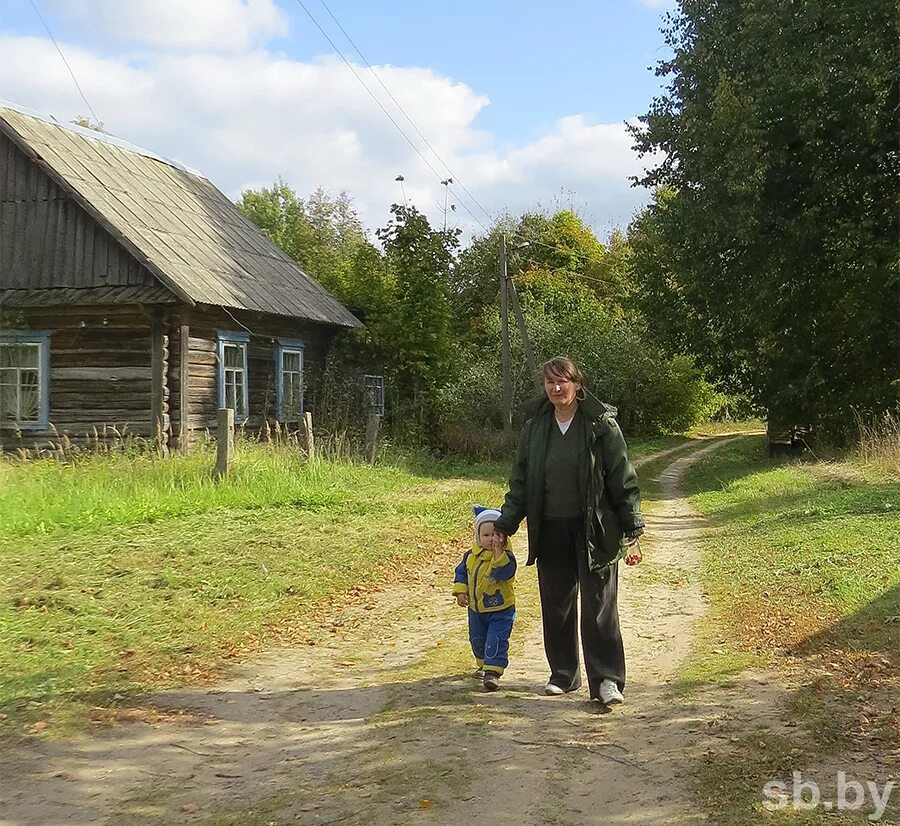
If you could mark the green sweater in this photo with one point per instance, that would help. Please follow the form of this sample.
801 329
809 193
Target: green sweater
563 497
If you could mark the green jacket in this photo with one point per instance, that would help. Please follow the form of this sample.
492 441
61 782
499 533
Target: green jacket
612 500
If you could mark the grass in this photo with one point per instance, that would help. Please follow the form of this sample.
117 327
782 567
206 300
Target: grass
802 568
123 574
726 428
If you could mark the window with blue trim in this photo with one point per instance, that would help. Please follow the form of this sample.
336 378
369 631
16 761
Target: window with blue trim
289 379
231 378
25 380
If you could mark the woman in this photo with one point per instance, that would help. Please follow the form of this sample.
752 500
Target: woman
573 480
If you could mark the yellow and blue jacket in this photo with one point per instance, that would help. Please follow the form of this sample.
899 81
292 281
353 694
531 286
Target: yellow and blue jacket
488 583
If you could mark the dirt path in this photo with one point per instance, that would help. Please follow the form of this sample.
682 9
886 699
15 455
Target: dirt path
376 723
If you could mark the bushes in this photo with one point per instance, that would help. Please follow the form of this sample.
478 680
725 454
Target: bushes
654 393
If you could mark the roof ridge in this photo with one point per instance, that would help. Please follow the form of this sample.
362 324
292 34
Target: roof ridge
98 135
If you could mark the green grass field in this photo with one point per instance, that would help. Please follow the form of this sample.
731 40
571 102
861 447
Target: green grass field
802 568
124 573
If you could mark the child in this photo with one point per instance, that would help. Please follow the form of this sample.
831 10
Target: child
484 584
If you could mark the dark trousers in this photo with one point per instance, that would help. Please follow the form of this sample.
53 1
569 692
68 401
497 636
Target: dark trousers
562 572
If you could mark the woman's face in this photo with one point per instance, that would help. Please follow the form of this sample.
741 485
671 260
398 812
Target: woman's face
560 390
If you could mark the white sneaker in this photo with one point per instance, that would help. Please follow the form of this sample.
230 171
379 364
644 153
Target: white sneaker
553 690
610 694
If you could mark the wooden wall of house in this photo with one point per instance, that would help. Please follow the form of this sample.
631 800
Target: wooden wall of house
203 325
103 360
47 240
100 371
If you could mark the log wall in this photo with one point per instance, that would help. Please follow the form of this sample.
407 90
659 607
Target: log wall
124 367
100 372
203 325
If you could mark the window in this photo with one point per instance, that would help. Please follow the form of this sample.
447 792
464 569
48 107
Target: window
289 379
232 373
373 386
25 380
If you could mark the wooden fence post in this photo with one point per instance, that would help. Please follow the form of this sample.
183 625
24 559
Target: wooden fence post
373 426
224 441
308 436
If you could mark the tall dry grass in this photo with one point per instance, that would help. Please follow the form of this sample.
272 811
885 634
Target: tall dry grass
879 442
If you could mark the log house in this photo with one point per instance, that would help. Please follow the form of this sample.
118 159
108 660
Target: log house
135 295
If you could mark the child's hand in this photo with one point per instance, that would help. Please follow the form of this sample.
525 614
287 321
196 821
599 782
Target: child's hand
462 600
498 542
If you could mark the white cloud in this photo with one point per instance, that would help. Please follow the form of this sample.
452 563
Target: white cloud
217 25
248 117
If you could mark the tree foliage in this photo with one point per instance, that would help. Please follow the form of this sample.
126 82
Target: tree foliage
420 259
431 317
770 249
323 234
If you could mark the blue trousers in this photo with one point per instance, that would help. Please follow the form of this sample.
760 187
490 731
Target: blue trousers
489 634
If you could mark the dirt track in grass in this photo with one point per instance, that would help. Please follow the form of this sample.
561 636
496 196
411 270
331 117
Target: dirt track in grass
378 722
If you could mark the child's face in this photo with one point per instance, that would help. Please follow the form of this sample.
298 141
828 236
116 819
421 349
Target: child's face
485 534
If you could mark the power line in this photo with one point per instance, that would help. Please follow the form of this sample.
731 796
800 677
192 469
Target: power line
382 107
559 250
74 79
404 113
423 137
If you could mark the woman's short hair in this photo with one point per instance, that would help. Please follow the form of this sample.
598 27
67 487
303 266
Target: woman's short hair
561 366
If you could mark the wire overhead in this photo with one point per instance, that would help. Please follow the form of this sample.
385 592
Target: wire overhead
58 49
397 103
453 175
383 109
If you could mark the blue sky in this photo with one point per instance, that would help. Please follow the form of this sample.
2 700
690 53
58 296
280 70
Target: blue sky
523 100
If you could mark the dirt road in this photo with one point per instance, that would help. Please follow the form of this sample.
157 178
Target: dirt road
378 722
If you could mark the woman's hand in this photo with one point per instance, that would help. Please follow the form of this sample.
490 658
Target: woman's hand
499 542
462 600
634 555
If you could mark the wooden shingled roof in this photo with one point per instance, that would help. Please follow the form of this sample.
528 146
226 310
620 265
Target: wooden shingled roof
173 221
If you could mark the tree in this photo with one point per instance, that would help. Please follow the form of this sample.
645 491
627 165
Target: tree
323 234
560 243
420 259
777 238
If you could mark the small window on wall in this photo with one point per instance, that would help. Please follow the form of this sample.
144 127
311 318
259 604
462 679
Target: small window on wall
231 379
289 379
373 387
25 380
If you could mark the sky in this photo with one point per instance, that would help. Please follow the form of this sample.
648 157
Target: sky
523 104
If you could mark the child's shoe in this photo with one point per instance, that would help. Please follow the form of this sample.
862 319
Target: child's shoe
491 681
478 673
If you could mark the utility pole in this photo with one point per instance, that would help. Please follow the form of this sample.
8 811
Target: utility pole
526 342
504 335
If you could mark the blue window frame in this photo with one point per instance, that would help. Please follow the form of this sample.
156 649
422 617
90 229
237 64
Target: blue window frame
231 373
25 380
289 379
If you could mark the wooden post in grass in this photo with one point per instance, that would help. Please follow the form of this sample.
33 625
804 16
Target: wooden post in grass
224 441
308 436
373 426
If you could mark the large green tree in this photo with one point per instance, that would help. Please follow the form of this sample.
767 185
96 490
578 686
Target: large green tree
322 233
420 259
776 238
561 243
